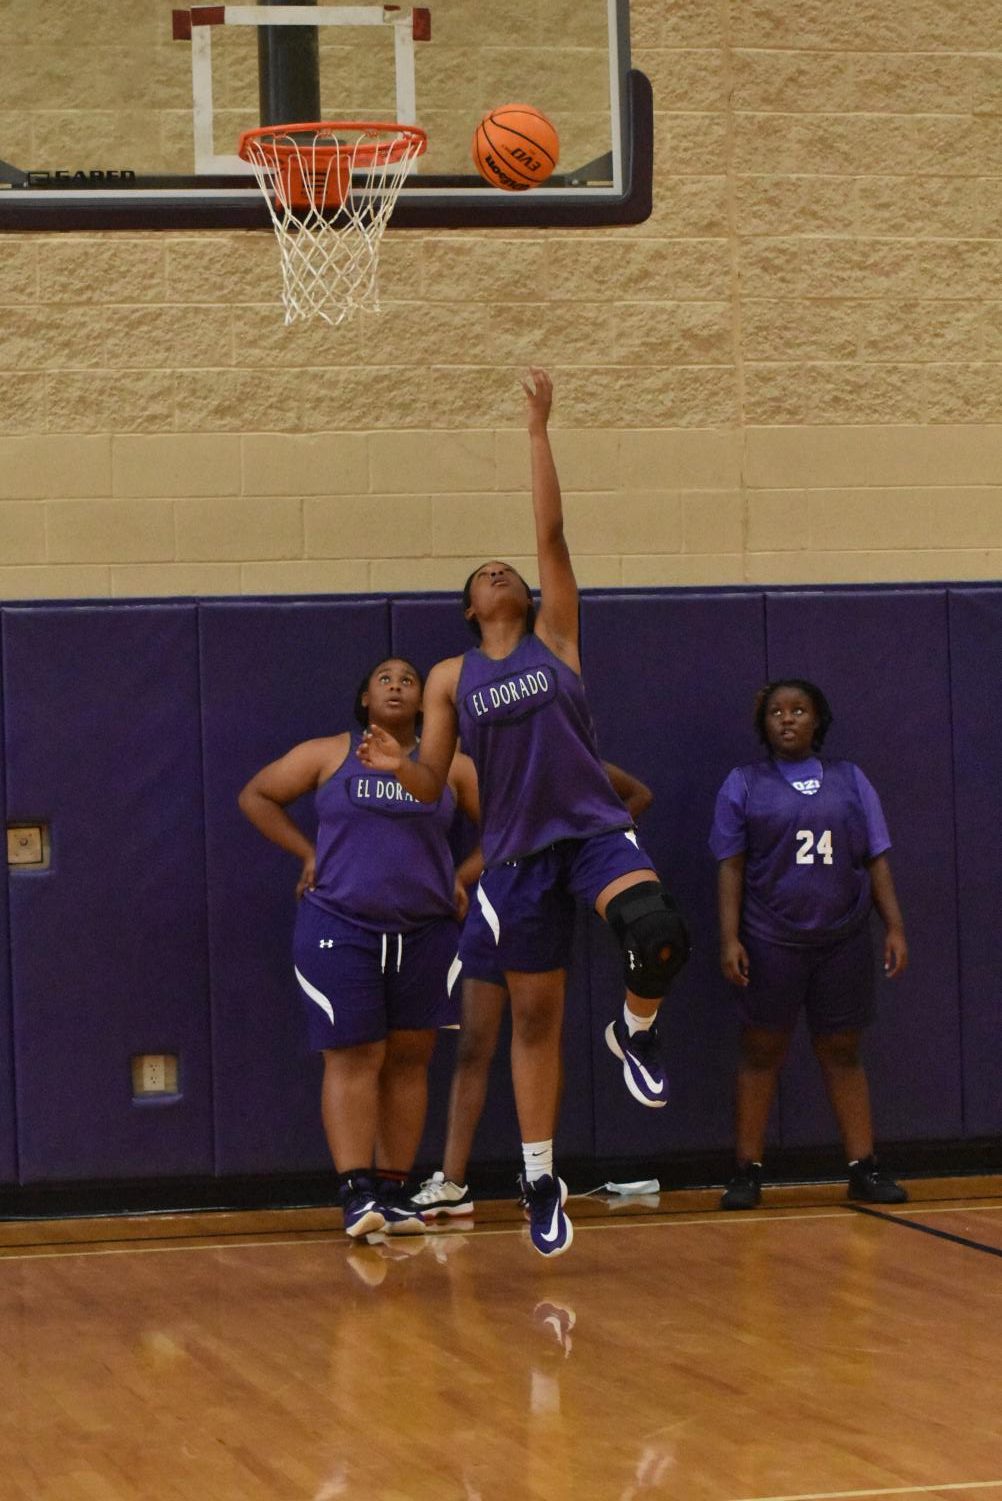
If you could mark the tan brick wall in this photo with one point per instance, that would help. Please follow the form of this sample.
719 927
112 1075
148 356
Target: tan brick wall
791 373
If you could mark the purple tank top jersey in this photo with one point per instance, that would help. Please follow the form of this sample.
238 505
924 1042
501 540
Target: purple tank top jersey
383 858
806 880
525 722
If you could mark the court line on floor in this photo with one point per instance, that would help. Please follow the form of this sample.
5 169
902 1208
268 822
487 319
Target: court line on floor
894 1490
920 1206
251 1239
316 1237
910 1224
256 1239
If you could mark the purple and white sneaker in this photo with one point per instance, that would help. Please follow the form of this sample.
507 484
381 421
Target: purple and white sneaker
549 1227
643 1065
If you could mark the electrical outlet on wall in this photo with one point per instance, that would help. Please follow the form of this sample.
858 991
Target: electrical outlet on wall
154 1073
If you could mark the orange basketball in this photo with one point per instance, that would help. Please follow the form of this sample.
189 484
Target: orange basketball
515 147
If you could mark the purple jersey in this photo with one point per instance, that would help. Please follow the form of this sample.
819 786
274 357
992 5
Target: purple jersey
525 722
806 878
383 858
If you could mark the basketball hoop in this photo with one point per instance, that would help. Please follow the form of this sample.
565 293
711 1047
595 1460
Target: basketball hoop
330 188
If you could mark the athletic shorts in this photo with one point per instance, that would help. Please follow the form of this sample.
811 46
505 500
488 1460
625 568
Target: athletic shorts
357 984
529 904
478 950
833 983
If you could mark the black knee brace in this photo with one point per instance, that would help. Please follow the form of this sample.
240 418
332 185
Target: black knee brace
653 935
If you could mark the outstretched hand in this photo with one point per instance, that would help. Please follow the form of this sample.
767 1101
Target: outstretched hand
540 396
379 750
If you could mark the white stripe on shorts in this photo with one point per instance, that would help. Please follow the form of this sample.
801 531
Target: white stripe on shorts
631 836
490 916
455 970
316 995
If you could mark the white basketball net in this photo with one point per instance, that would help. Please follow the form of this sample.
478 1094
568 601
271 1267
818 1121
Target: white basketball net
330 252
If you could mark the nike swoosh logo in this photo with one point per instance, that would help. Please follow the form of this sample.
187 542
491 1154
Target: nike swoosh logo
554 1230
655 1086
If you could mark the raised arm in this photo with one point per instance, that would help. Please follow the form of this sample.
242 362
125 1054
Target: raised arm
630 789
557 620
264 797
425 777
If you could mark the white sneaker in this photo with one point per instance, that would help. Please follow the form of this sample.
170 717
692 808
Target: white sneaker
438 1196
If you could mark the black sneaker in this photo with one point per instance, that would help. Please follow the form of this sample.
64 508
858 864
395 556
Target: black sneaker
362 1214
872 1185
399 1214
523 1193
745 1189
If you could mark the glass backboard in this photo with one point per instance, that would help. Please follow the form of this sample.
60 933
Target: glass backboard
115 115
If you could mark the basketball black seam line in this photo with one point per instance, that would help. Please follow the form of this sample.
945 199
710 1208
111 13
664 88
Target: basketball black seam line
508 166
528 140
494 119
504 169
482 166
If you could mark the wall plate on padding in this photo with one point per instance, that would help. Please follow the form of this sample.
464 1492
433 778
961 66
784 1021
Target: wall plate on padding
154 1074
28 844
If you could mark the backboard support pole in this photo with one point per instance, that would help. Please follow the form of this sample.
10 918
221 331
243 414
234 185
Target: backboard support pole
289 72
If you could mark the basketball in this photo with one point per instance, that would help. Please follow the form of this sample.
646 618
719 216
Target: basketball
515 147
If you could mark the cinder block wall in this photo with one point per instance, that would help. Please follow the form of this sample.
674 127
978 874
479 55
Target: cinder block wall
790 373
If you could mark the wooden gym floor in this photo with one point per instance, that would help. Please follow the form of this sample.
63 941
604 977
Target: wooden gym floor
806 1350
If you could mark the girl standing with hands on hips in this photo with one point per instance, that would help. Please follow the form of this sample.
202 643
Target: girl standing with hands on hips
553 830
375 939
802 849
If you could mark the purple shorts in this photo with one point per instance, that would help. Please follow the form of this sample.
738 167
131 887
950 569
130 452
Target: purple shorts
833 983
528 904
357 984
478 950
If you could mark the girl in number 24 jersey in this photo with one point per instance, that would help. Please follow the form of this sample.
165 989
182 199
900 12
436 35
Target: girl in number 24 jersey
802 850
552 829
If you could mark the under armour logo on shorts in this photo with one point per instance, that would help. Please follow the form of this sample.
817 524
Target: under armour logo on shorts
326 943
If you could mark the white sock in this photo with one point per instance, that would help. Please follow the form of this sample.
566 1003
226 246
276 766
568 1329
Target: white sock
538 1159
635 1023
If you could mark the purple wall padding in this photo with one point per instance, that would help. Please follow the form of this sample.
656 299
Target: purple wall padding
273 674
975 653
882 658
8 1135
165 921
107 946
429 629
670 681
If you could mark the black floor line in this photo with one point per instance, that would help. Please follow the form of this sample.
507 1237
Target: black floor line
900 1219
